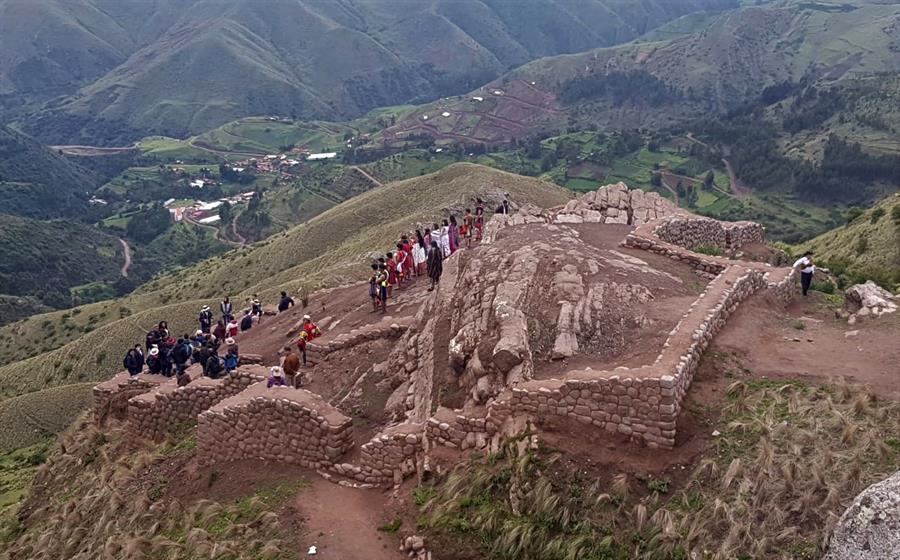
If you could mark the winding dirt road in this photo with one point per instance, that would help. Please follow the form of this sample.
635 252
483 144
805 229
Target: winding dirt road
127 251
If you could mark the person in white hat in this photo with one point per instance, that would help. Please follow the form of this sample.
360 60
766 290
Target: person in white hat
276 377
205 318
154 363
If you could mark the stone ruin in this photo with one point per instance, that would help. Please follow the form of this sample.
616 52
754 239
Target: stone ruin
534 327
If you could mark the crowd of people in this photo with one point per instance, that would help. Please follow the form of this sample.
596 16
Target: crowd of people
214 348
420 253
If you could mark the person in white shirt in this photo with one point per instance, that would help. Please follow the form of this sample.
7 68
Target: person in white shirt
807 268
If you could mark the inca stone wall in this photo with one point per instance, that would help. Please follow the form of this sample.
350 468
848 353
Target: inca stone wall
124 386
693 233
156 413
279 424
240 418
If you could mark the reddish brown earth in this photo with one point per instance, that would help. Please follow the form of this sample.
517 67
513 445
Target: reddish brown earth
769 344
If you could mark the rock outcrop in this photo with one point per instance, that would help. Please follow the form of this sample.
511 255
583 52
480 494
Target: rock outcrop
616 204
869 299
870 528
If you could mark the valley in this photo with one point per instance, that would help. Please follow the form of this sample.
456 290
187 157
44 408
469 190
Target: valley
666 164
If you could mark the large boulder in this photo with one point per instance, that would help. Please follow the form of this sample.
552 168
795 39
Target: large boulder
869 296
870 528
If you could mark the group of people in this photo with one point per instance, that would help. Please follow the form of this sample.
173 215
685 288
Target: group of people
168 356
422 253
214 348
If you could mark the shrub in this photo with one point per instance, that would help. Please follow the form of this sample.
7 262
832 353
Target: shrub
862 244
708 250
658 485
853 213
895 214
825 286
391 527
877 215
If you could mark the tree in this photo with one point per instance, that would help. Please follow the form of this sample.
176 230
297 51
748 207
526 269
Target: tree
656 179
709 179
225 212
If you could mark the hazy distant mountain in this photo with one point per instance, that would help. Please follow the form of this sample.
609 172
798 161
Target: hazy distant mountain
180 66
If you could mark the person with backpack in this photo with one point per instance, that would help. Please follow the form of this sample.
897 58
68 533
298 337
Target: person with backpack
285 303
246 322
134 361
205 319
231 329
181 353
227 310
152 339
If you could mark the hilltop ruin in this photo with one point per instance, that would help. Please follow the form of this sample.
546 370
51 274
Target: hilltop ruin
592 316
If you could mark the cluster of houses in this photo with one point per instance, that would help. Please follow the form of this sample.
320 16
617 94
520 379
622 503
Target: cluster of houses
204 212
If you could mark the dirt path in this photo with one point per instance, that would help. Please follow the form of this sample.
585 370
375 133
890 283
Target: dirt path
737 187
365 174
240 238
342 523
75 150
127 251
806 342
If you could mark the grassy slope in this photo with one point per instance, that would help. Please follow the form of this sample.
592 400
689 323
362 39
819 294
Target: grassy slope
329 249
28 419
882 240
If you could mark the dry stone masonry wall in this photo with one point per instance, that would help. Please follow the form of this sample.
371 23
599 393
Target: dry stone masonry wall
280 424
240 418
157 413
693 233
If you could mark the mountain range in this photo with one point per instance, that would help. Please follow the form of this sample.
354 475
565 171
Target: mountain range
111 72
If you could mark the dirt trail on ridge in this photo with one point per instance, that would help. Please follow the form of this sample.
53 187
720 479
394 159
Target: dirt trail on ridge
127 252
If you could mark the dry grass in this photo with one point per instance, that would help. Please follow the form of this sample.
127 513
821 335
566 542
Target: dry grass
789 461
31 418
85 504
330 249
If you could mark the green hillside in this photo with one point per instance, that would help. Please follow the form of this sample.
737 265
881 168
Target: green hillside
196 65
329 249
37 182
868 247
726 63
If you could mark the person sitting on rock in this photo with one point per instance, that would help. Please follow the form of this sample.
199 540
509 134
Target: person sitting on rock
290 363
246 321
285 303
205 319
276 377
